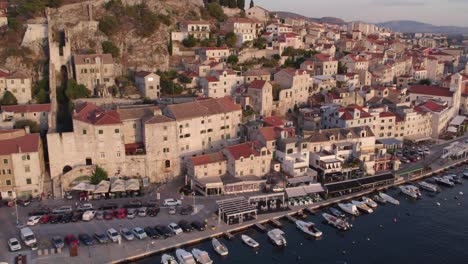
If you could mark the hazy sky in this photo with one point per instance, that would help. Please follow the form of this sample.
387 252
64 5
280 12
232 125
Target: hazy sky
437 12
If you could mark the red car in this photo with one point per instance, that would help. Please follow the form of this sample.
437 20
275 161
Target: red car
71 240
120 213
44 219
108 215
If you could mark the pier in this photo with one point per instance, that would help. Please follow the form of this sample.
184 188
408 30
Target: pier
229 235
261 227
276 222
291 219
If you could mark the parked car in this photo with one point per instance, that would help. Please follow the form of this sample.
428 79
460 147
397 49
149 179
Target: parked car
14 244
108 207
113 235
132 212
33 220
152 233
88 215
172 202
120 213
66 218
71 240
405 160
101 238
99 215
134 204
175 228
23 202
77 216
63 209
125 232
172 210
40 212
44 219
84 207
86 239
199 225
108 215
57 242
164 231
153 211
139 233
55 218
186 210
142 211
427 151
185 225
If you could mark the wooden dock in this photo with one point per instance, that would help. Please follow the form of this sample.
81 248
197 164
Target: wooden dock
276 223
311 210
229 235
260 227
291 219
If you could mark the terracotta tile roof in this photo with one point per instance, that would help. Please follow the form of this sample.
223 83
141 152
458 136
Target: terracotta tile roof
24 144
257 84
274 121
211 79
81 58
240 20
18 75
208 158
3 74
159 119
32 108
324 57
294 72
269 133
433 106
92 114
204 107
339 133
256 72
244 150
137 112
386 114
142 74
430 90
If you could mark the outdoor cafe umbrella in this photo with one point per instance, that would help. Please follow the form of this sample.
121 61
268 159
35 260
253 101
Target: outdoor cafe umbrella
132 185
118 186
102 187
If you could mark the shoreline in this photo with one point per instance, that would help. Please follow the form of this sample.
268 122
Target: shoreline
265 218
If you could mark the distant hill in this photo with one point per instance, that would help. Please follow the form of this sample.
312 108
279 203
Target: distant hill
408 26
327 20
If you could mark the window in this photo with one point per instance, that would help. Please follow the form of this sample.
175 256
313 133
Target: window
5 161
102 155
27 168
165 127
8 182
28 181
84 132
117 131
101 131
165 150
165 138
167 163
118 154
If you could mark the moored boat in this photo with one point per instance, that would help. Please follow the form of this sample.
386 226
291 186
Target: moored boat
389 199
454 178
308 228
362 206
339 223
219 247
444 181
336 212
184 257
411 191
428 186
201 256
379 199
249 241
277 237
168 259
369 202
349 208
465 174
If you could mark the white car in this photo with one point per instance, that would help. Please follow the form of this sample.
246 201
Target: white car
139 233
427 151
131 213
85 207
14 244
127 234
63 209
172 202
33 220
175 228
89 215
113 235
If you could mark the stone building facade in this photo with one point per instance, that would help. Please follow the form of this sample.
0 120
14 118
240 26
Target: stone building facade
95 71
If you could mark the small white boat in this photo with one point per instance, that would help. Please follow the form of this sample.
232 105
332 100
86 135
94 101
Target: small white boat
465 174
362 206
249 241
168 259
428 186
369 202
349 208
389 199
201 256
219 247
277 237
308 228
411 191
337 222
444 181
454 178
379 199
185 257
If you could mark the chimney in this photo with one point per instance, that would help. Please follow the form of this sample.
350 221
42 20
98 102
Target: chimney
27 130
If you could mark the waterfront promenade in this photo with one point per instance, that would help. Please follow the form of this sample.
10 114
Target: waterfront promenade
114 253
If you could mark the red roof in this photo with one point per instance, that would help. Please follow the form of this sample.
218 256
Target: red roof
273 121
211 79
257 84
269 133
431 90
243 150
433 106
208 158
3 74
26 108
324 57
24 144
92 114
386 114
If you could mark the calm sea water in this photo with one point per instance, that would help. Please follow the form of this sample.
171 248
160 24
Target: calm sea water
423 233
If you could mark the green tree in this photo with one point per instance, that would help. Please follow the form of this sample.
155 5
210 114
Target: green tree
425 82
110 47
14 24
224 3
260 43
215 10
232 3
8 99
233 59
251 4
241 4
342 69
75 91
231 39
190 41
108 25
98 175
184 79
33 126
42 97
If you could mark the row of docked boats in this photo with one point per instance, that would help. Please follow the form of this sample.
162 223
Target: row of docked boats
196 255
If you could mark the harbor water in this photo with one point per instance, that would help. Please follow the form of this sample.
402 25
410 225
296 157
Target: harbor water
433 229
